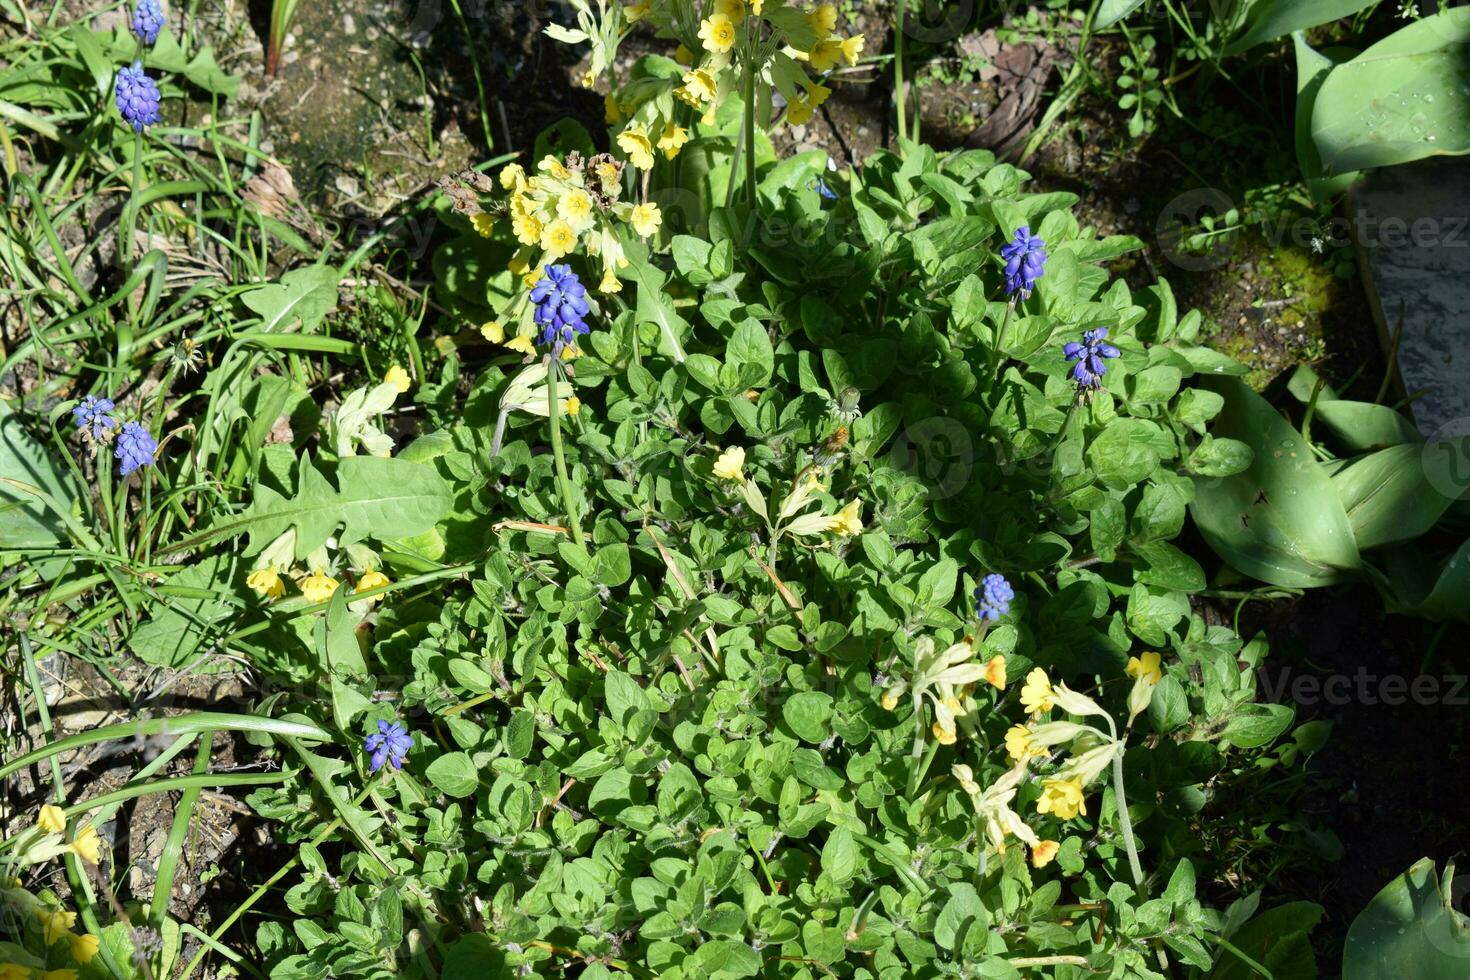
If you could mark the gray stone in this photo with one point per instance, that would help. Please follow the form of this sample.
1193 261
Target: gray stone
1412 225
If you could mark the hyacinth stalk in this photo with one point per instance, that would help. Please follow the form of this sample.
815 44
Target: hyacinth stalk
563 481
282 13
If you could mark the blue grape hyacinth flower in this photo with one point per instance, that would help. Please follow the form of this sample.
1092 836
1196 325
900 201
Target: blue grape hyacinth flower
993 597
561 304
136 447
1025 259
390 743
94 416
147 21
1089 358
137 97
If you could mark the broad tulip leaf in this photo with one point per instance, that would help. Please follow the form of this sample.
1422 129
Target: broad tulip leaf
1279 520
1270 19
1388 496
1402 99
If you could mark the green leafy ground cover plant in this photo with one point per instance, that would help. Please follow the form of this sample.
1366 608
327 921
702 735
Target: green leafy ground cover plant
819 611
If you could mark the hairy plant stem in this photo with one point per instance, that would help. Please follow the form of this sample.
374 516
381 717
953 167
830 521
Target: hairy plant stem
1125 822
749 126
1000 339
899 96
563 482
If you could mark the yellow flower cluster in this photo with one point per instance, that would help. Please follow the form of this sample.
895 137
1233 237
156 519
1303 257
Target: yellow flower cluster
949 679
316 586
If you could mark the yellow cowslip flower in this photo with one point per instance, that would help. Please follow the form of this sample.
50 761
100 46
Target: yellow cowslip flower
484 224
1037 695
527 228
371 579
55 923
733 9
995 672
634 12
1043 853
607 174
513 177
87 845
522 344
799 113
575 208
848 520
852 48
1148 667
493 331
731 465
557 239
318 586
1062 797
610 282
645 219
574 406
823 19
1020 745
551 165
398 378
570 352
59 975
672 139
14 971
634 142
267 582
611 113
51 819
84 947
817 93
944 734
683 55
890 700
718 33
757 6
699 87
824 55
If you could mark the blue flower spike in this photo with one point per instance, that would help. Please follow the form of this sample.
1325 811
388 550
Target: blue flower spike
147 21
137 97
1089 358
389 744
1025 259
561 305
94 416
993 598
136 447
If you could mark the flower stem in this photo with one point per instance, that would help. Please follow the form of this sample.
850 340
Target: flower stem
1000 339
749 129
898 87
917 773
563 482
1125 822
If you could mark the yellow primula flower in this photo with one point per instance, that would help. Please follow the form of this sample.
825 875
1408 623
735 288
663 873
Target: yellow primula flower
733 9
1020 745
574 406
87 845
513 177
610 282
995 672
1037 695
59 975
558 239
528 229
944 734
635 12
848 520
611 114
757 6
1043 853
799 113
575 208
1062 797
51 819
267 582
493 331
645 219
699 87
55 923
718 33
371 579
551 165
522 344
817 93
398 378
824 55
683 55
484 223
1148 667
852 48
672 139
318 586
84 947
634 142
890 700
570 353
731 465
14 971
823 19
